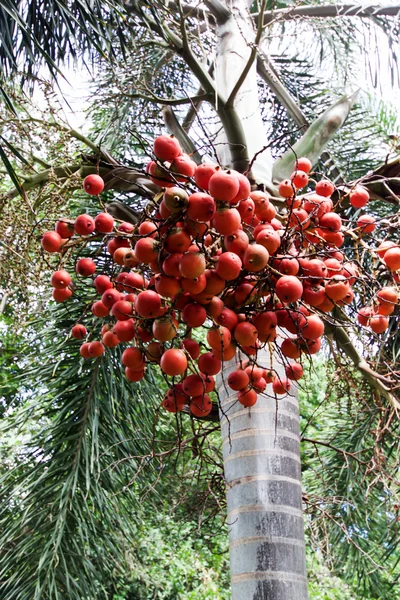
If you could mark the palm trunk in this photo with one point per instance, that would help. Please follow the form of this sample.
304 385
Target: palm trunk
261 451
261 445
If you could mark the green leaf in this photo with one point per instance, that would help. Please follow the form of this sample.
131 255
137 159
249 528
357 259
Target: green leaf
12 173
315 139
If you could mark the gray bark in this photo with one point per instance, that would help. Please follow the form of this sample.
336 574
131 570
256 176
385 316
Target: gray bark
261 449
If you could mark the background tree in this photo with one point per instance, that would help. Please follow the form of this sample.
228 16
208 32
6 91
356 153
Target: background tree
163 44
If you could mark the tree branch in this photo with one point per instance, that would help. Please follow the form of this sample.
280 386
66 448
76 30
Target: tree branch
329 11
252 57
342 340
167 101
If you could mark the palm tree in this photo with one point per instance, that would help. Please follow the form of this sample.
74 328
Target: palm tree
205 64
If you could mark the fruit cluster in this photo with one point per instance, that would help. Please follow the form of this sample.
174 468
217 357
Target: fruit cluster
211 253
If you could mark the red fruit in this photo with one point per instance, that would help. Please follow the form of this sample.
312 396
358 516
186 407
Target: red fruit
194 286
317 205
124 330
378 323
334 267
228 319
244 293
78 331
84 225
330 221
146 250
324 188
313 329
85 267
246 210
247 397
270 239
200 406
236 242
128 282
65 229
201 207
219 337
134 375
133 358
223 185
104 223
359 197
299 179
259 385
265 322
116 243
177 240
245 334
164 329
313 294
110 340
174 400
171 265
193 385
238 380
225 354
84 350
166 147
367 224
255 258
286 189
281 385
194 315
167 286
384 247
192 265
226 221
229 266
173 362
264 210
299 219
99 309
192 347
289 289
387 296
203 174
290 348
337 288
183 167
95 349
154 352
244 188
148 229
254 372
93 185
126 227
215 307
51 241
110 297
315 269
122 310
148 304
392 259
286 265
102 283
311 346
61 295
303 164
209 364
215 284
294 371
60 279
